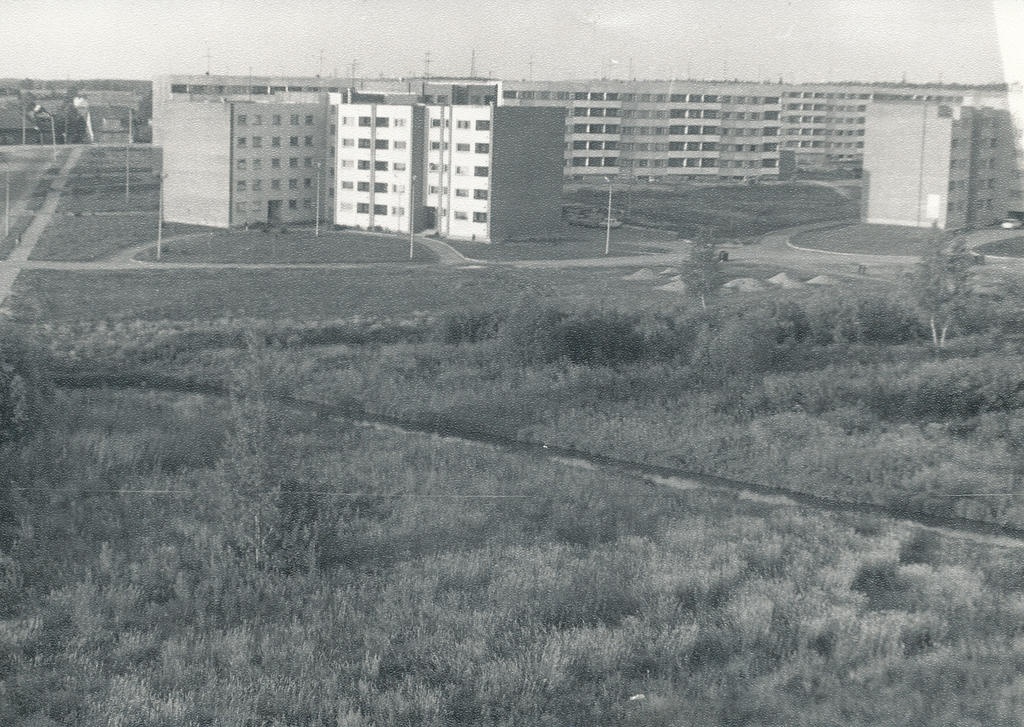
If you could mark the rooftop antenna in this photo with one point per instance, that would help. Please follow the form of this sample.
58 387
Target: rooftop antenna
207 58
320 66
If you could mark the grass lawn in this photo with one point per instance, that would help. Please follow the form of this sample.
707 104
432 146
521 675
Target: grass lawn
88 237
1013 247
868 239
183 295
577 242
729 211
298 245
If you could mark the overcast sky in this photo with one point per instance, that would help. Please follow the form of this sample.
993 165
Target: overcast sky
798 40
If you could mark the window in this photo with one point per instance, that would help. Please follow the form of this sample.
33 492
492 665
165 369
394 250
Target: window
307 183
240 206
400 145
275 141
346 163
347 185
293 184
479 194
293 163
364 143
464 124
257 164
380 186
461 170
276 120
462 147
481 171
399 166
348 142
483 125
482 148
242 142
380 209
257 185
479 217
398 211
399 122
241 164
309 141
461 215
275 163
309 120
461 192
363 208
365 121
275 184
242 120
380 166
293 204
293 141
363 187
257 120
382 121
364 164
241 185
307 203
377 143
307 162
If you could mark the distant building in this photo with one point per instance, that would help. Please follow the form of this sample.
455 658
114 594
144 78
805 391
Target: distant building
937 164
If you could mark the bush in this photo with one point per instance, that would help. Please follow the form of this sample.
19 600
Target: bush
471 326
536 335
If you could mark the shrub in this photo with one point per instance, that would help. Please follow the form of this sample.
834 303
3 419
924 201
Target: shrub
880 581
470 326
922 547
535 335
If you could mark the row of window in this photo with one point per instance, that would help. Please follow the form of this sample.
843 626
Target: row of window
275 163
378 165
825 107
825 119
275 141
243 185
478 125
257 205
275 120
374 143
378 121
792 131
823 145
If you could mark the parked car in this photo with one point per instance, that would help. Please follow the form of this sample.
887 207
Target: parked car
1011 223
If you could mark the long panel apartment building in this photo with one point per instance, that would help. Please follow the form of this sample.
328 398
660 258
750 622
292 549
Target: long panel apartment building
636 131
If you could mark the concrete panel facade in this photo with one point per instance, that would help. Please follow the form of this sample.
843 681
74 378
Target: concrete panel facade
527 172
197 164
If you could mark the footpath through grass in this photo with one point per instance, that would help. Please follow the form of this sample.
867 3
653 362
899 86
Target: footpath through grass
575 243
296 245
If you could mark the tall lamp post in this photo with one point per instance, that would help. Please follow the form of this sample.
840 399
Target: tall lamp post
608 219
412 213
160 217
316 225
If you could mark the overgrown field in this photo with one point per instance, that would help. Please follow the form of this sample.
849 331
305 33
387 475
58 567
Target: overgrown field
177 560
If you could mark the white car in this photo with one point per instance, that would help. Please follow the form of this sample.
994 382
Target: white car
1011 223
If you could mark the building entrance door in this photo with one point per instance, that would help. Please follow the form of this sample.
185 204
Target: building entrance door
273 211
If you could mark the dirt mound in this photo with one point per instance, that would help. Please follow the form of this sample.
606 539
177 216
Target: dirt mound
669 271
674 285
744 285
642 274
822 280
784 281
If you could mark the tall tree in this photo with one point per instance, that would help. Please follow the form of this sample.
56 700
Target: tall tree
940 284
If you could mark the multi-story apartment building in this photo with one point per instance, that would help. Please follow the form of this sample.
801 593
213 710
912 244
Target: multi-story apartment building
937 164
467 170
635 131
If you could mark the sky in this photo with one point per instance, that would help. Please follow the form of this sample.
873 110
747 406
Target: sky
796 40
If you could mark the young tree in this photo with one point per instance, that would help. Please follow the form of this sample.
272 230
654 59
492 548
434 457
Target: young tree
701 273
939 284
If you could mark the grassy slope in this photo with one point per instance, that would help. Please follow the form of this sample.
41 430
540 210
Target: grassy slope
423 603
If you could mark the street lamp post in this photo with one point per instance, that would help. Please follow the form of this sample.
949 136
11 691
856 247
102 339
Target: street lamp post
317 223
7 203
412 214
53 137
608 219
160 218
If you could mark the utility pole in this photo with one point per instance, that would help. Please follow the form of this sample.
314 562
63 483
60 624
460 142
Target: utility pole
126 171
608 219
160 217
317 223
412 214
7 204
